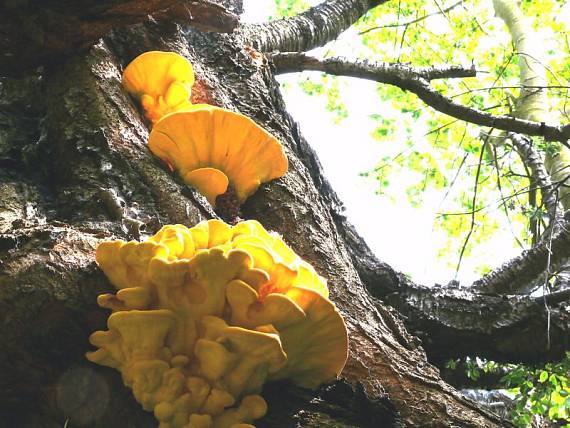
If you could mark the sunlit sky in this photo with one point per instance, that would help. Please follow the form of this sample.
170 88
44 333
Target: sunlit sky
399 234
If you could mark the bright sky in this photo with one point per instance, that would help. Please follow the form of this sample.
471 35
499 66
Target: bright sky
399 234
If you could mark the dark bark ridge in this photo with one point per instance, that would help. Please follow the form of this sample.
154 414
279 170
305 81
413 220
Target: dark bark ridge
34 33
455 323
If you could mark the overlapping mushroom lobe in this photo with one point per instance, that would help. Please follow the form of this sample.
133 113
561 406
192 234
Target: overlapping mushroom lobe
213 148
162 81
203 316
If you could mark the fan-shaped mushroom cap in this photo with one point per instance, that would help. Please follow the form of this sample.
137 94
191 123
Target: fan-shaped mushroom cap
161 80
322 334
211 147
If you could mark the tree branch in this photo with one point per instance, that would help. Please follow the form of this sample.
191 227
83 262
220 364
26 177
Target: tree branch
382 72
554 298
310 29
34 33
417 82
455 323
532 159
518 273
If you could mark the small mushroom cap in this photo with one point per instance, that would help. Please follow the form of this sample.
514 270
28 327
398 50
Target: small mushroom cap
162 81
236 357
143 333
200 421
125 263
249 311
215 138
210 182
126 299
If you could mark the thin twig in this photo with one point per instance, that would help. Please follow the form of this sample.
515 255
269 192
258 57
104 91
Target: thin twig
412 22
474 201
491 88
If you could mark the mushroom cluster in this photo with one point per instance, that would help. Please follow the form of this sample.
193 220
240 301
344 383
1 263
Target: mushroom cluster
203 316
215 150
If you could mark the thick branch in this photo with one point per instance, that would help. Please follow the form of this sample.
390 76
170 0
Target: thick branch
455 323
33 33
554 298
523 270
406 79
308 30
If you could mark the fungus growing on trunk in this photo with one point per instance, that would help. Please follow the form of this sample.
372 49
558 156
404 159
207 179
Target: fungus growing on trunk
162 81
205 315
213 149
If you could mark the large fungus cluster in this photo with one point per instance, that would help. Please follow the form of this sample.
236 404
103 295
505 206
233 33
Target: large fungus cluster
215 150
205 315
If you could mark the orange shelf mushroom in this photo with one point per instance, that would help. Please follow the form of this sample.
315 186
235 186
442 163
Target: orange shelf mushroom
214 149
205 315
162 81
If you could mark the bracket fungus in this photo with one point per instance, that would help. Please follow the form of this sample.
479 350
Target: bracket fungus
205 315
162 81
214 149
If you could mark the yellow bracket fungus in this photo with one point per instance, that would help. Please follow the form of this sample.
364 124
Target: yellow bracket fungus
213 148
203 316
162 81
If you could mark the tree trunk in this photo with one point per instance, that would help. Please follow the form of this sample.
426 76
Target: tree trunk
76 170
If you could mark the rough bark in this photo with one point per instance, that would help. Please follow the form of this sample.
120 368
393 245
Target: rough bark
525 270
83 161
35 32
